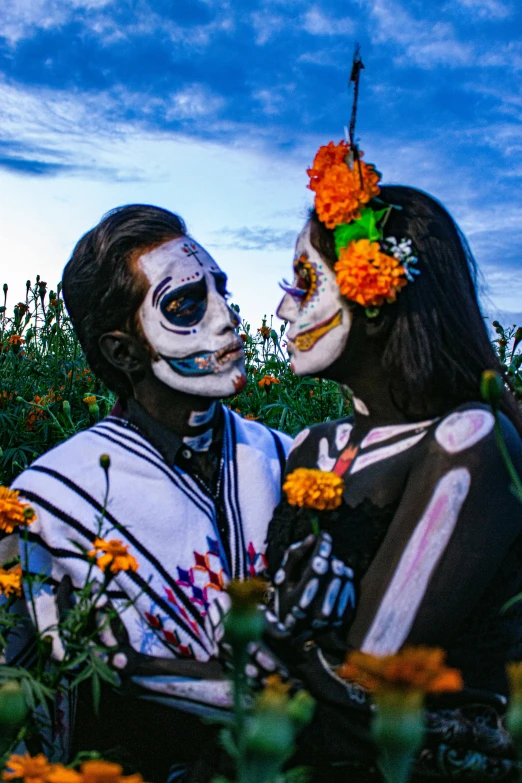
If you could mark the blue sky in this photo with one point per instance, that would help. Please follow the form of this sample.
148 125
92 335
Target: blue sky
215 109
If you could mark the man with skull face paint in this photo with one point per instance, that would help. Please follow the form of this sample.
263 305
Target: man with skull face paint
428 525
192 485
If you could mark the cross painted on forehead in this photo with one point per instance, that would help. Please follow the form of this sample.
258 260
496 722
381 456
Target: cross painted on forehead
191 250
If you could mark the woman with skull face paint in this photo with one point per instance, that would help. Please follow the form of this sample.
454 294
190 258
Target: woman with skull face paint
428 525
192 486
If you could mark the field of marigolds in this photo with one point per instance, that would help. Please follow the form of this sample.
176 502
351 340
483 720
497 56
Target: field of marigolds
48 393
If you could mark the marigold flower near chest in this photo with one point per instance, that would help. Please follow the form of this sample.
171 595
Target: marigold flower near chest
13 512
314 489
411 669
98 771
61 774
113 555
30 769
11 581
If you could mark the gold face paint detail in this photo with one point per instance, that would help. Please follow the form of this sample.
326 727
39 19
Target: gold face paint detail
306 340
306 275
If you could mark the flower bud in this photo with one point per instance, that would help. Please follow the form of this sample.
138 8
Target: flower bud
105 461
301 708
491 387
13 706
66 407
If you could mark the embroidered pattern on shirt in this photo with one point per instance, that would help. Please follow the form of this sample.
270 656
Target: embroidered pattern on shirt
206 574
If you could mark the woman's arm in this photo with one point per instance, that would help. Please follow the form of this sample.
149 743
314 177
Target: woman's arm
454 526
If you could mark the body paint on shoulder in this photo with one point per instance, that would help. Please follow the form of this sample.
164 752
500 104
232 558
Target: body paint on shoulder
342 435
380 434
463 429
324 461
299 438
365 460
360 407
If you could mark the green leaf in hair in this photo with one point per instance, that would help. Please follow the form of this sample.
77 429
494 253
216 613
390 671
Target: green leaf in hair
364 228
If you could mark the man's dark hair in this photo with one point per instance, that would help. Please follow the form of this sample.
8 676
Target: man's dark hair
436 344
102 288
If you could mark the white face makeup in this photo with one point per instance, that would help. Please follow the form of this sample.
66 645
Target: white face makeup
187 321
319 316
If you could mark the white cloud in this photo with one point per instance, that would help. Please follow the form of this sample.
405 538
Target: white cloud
21 18
194 101
266 26
316 22
212 185
423 43
486 9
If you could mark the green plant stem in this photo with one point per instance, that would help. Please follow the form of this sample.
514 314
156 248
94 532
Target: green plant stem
515 478
240 659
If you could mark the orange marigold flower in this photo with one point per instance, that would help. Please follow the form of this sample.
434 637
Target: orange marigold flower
265 332
243 336
251 417
61 774
98 771
16 339
316 489
266 380
339 191
13 513
412 668
30 769
11 581
90 400
115 555
367 275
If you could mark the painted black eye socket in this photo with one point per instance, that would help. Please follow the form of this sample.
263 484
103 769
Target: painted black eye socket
187 305
221 284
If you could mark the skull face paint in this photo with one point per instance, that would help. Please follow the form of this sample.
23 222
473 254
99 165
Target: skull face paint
319 316
187 321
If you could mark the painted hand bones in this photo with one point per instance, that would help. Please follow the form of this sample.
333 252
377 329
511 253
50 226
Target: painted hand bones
313 589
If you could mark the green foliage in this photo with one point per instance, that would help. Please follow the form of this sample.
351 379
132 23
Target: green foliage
44 379
507 345
45 382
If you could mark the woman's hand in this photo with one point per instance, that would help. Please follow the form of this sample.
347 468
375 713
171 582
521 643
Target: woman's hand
313 589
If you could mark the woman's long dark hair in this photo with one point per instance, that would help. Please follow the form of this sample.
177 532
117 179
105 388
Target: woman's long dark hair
436 341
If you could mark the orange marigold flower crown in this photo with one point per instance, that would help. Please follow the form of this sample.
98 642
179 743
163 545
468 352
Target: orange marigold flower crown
371 268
